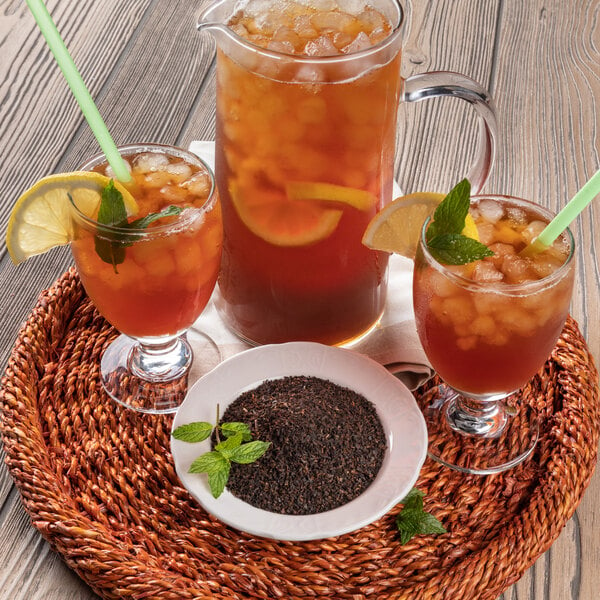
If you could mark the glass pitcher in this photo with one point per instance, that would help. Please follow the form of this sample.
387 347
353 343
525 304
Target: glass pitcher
305 147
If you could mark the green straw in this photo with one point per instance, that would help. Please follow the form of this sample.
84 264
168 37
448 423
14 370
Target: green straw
80 91
564 218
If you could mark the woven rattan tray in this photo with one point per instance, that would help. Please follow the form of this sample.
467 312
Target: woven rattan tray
99 484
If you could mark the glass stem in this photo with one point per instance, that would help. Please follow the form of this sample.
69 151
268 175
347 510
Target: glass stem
470 416
162 361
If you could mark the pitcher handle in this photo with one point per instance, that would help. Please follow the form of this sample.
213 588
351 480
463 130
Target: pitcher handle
447 83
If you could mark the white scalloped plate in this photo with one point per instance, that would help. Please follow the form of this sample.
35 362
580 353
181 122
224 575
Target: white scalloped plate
397 409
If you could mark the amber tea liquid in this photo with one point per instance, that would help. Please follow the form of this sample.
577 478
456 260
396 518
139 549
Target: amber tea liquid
165 280
302 167
487 327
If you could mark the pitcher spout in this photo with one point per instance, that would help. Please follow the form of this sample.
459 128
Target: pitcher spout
214 18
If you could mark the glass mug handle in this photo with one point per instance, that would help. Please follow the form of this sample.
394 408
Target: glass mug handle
456 85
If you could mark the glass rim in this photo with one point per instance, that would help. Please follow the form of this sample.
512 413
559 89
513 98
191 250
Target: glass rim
500 287
310 60
187 215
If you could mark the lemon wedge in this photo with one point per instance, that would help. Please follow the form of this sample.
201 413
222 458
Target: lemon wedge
398 226
41 217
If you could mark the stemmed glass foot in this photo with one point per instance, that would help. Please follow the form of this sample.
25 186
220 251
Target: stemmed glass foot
153 375
477 436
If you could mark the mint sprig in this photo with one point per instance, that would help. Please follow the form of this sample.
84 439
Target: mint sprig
444 236
414 520
112 212
237 447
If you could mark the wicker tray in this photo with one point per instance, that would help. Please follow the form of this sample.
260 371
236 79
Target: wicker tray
99 484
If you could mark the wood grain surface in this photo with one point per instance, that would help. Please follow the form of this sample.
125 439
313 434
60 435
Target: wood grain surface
152 76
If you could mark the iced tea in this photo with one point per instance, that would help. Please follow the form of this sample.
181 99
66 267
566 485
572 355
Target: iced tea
168 270
488 326
305 155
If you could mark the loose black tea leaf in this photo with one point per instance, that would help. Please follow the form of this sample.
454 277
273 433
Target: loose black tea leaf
327 445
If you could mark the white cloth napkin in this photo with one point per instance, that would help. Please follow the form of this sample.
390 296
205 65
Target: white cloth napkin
395 343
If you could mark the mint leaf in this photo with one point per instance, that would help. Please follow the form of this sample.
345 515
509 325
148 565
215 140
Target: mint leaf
457 249
444 237
217 463
217 480
450 215
112 208
414 499
414 520
169 211
193 432
250 452
209 462
227 446
110 246
229 429
110 251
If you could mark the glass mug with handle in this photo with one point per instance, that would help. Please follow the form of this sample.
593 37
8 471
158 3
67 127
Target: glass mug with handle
307 103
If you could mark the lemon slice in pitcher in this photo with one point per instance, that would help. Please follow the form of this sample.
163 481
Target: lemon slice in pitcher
398 226
281 221
330 193
41 217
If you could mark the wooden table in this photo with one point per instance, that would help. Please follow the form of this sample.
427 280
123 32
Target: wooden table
152 76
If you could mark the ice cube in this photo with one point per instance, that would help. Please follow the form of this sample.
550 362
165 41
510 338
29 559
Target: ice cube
515 269
436 306
360 42
488 302
304 28
378 35
173 194
545 264
483 325
333 21
156 179
342 39
500 337
516 215
491 210
288 35
467 342
500 249
189 258
439 285
486 232
179 171
460 309
561 247
199 184
321 46
162 265
283 47
486 272
533 230
354 7
320 5
149 162
370 20
517 320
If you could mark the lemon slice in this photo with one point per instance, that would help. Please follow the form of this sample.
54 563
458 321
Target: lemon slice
280 221
331 193
41 217
398 226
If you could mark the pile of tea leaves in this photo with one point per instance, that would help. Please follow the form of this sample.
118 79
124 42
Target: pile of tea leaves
327 445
